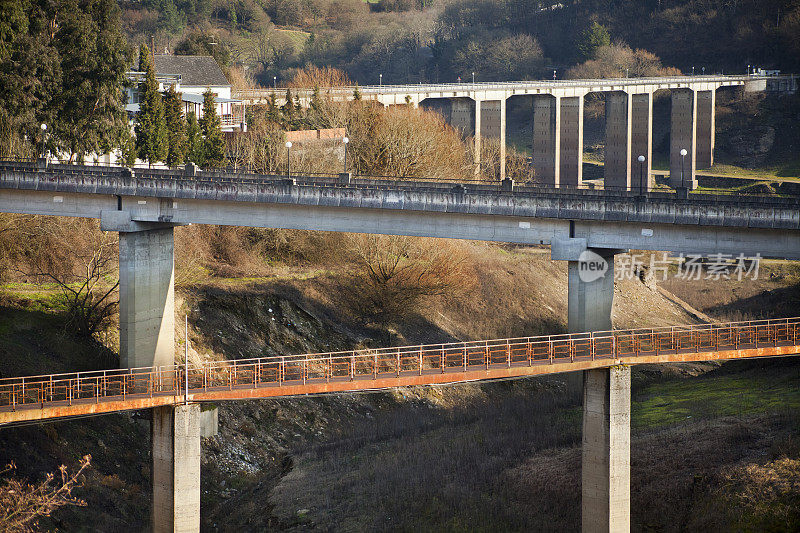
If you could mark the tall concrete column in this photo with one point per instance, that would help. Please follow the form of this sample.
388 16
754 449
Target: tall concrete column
476 158
606 453
706 135
589 303
503 123
547 139
493 126
683 137
176 469
642 140
617 169
146 298
571 164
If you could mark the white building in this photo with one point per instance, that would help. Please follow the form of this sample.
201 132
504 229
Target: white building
192 76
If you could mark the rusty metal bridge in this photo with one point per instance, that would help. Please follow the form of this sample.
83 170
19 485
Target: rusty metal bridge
89 393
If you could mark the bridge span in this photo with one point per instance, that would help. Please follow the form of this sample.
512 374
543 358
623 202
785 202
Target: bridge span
479 110
144 206
46 397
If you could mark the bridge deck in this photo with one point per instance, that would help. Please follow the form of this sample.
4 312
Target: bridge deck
86 393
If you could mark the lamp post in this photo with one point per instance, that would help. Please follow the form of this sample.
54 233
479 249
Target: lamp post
641 160
554 74
692 71
704 71
748 70
683 160
346 141
44 134
473 78
380 79
274 82
288 159
626 72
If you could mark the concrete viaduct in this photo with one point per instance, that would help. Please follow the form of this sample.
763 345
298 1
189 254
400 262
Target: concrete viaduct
145 207
479 109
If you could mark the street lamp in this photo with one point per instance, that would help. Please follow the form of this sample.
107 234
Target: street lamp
704 71
554 74
683 159
274 82
641 160
626 72
380 79
44 134
692 71
473 78
748 70
288 159
346 141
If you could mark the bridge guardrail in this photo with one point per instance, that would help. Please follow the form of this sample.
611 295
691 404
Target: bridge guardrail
461 357
55 172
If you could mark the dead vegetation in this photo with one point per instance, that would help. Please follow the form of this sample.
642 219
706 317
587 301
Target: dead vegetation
24 504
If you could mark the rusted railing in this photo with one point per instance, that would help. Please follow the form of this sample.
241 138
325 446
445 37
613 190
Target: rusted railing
451 358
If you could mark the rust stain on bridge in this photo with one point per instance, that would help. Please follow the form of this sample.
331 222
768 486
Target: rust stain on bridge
91 393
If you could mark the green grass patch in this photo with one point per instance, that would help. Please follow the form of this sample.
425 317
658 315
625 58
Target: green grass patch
679 401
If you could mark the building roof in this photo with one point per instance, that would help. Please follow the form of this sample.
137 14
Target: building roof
195 71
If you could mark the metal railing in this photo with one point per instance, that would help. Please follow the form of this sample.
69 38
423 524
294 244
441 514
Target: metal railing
379 367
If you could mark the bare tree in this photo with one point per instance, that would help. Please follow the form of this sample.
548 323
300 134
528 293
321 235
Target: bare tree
393 275
22 504
88 287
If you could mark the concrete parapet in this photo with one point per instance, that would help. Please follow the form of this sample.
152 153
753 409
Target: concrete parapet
176 469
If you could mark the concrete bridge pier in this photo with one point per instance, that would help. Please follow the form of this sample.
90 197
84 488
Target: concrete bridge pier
605 466
617 167
147 338
493 126
547 139
683 136
571 158
476 155
176 469
606 451
641 141
706 137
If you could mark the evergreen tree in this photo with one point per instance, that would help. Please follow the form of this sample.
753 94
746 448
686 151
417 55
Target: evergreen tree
356 94
176 127
194 141
288 107
151 126
210 125
145 59
593 38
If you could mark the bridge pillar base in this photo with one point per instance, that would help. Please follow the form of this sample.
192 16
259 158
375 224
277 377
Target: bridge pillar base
606 463
176 469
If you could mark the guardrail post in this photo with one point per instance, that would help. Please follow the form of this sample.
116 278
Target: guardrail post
352 367
508 353
398 363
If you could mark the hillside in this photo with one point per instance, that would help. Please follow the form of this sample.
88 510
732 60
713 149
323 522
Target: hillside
446 456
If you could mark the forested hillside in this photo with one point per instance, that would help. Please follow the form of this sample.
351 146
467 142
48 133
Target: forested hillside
443 40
